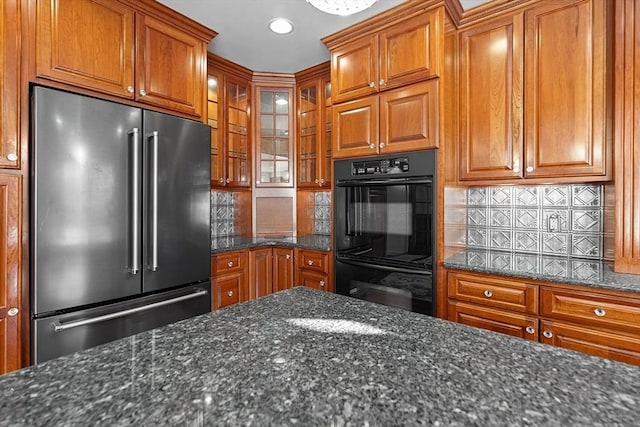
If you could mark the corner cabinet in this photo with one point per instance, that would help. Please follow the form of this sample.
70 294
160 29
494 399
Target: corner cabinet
228 115
593 321
313 88
397 120
402 53
140 50
270 270
9 82
535 98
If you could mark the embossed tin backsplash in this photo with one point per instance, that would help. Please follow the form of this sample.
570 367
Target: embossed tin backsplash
322 212
563 220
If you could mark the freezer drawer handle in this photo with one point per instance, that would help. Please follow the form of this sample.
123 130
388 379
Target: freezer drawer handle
135 201
58 327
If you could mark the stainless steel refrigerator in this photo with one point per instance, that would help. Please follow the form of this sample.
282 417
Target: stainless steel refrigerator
120 221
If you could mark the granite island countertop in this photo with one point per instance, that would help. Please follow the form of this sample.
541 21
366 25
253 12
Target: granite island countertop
311 358
319 242
592 273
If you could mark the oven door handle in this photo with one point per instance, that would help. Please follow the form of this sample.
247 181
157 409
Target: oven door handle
388 181
384 267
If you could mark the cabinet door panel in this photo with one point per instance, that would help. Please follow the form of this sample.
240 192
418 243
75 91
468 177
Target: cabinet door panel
9 82
10 271
355 128
565 89
171 67
608 344
260 272
517 325
409 118
491 110
408 51
354 69
282 269
86 43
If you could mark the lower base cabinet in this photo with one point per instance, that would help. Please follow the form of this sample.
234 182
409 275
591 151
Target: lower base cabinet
229 278
597 322
270 270
314 269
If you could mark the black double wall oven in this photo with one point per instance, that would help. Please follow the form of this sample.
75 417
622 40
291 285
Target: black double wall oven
384 232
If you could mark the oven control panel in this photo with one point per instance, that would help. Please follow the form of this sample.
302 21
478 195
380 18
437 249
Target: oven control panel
397 165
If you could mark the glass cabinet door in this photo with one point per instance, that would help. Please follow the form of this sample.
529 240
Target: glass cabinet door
238 171
326 145
274 154
308 110
214 118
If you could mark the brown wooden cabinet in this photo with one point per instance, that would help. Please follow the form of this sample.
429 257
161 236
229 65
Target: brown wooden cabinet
228 114
229 278
397 120
535 97
314 269
9 83
11 316
137 50
398 54
593 321
313 87
270 270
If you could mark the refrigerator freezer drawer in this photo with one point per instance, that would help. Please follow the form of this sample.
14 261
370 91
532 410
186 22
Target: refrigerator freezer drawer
56 336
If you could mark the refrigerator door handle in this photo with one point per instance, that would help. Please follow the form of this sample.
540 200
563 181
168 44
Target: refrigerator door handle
58 327
135 200
154 202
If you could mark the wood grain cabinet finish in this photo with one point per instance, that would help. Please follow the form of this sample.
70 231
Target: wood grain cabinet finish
403 119
270 270
114 48
535 97
10 273
314 269
9 83
503 321
283 268
229 282
402 53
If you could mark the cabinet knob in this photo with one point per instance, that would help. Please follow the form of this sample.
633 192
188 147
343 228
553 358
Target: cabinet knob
287 256
372 146
130 89
322 283
600 312
229 293
381 82
372 84
547 334
488 293
143 92
321 181
382 145
310 262
317 181
12 157
12 311
529 168
221 180
227 180
230 264
530 329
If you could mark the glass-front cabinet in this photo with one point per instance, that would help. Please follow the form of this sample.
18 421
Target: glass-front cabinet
228 113
274 150
314 127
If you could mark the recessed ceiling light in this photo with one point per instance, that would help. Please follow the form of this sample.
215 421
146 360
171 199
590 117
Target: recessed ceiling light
280 26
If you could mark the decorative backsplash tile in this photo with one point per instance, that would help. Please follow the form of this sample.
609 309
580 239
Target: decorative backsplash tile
322 212
561 220
222 213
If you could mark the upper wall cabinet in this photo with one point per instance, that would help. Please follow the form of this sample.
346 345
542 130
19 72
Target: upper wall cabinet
397 54
9 83
534 94
137 50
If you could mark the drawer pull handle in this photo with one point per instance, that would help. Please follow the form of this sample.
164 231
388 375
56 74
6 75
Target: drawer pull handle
372 85
488 293
230 264
229 293
530 330
600 312
322 283
372 146
310 262
548 334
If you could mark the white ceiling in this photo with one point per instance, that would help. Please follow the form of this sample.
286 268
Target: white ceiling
244 38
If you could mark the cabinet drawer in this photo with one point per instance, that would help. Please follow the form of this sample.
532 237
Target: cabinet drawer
228 262
619 313
608 344
312 260
491 291
226 290
315 280
514 324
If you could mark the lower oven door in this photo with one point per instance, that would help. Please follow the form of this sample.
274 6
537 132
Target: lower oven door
408 289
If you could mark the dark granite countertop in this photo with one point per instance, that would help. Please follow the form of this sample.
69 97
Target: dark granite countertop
573 271
311 358
319 242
